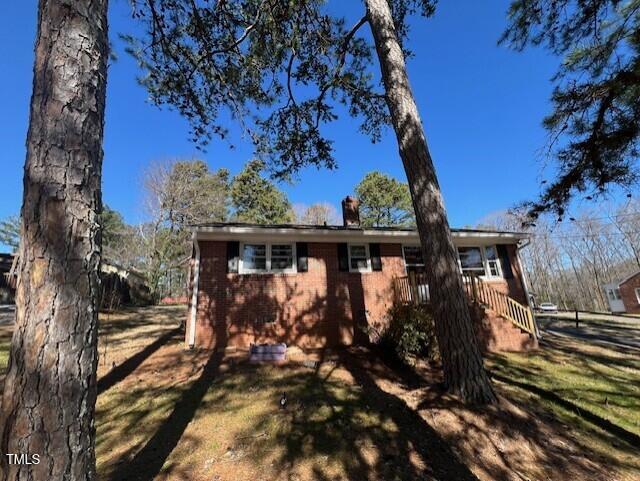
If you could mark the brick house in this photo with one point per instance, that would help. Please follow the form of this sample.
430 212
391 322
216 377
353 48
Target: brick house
316 286
624 295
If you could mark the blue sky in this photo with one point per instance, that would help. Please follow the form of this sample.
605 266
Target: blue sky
481 105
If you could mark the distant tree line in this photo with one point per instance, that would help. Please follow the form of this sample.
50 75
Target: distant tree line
567 263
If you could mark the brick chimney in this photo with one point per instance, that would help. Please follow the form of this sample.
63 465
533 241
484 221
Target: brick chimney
350 212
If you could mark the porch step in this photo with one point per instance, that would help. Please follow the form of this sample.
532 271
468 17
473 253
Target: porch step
498 334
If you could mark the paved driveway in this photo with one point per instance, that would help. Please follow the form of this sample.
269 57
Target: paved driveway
613 330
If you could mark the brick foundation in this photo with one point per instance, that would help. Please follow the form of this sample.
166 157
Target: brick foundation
496 334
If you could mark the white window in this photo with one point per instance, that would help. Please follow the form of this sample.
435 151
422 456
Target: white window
637 290
611 295
471 260
481 261
254 257
263 257
359 258
493 262
616 292
281 257
413 261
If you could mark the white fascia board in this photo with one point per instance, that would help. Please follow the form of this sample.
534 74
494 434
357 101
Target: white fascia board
287 234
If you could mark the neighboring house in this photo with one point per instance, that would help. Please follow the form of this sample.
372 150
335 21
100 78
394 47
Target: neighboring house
7 280
122 287
119 286
321 286
624 295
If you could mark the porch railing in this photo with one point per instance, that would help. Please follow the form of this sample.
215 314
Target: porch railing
10 277
413 288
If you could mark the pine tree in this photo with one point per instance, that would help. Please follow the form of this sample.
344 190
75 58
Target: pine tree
384 201
10 232
595 123
50 389
256 199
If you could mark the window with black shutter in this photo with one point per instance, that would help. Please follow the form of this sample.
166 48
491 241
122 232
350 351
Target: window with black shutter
233 256
343 257
376 259
302 255
503 254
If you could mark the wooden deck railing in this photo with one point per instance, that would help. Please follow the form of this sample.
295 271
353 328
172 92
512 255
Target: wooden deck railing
10 280
10 277
414 289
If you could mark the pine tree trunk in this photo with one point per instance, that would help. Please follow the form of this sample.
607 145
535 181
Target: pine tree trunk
50 390
462 363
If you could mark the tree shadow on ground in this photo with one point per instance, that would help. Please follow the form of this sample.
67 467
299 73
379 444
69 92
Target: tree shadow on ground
545 444
604 424
121 371
147 462
600 378
335 430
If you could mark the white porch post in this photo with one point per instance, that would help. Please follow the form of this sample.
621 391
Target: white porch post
194 294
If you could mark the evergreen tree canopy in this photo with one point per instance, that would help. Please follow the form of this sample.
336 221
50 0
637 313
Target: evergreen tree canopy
595 123
113 227
384 201
10 232
279 68
256 199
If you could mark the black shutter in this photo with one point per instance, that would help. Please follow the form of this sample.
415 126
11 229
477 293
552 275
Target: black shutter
343 257
233 256
503 254
376 260
302 256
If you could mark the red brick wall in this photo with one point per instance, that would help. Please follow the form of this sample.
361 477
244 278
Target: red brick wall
628 294
321 307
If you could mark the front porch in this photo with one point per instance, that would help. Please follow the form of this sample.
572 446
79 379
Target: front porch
502 323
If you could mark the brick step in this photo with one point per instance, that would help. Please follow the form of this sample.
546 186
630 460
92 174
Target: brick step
498 334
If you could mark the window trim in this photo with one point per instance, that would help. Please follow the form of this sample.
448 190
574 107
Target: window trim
404 259
497 260
637 291
485 262
268 270
360 270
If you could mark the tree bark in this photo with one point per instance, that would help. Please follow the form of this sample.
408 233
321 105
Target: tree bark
50 390
462 363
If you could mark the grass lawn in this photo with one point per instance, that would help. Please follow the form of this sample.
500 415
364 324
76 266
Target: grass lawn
166 413
601 380
574 381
